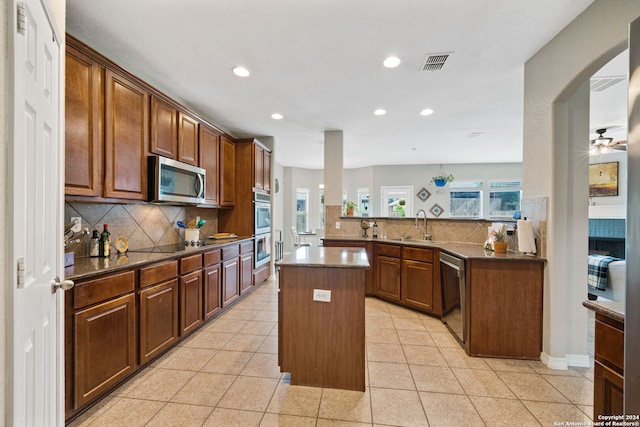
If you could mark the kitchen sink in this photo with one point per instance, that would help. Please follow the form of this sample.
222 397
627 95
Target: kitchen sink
403 239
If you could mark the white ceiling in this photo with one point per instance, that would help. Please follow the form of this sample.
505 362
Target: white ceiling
319 64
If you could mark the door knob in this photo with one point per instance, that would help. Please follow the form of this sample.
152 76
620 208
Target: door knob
65 285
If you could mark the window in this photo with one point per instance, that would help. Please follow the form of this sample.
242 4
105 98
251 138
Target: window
363 201
396 201
465 199
504 198
302 209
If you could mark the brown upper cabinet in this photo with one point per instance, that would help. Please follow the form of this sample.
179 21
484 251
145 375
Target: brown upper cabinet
115 120
227 171
126 138
210 161
84 104
261 168
187 139
164 129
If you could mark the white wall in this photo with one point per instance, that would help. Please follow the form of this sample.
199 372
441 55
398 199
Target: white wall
552 77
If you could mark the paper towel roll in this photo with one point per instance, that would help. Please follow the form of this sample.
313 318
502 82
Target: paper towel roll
526 241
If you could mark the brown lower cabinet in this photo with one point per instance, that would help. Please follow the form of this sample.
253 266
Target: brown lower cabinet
608 375
212 278
230 274
191 315
246 267
388 267
105 350
119 322
158 309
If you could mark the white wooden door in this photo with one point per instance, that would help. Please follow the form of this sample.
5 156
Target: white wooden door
36 346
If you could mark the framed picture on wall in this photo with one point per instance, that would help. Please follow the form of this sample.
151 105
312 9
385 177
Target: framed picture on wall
603 179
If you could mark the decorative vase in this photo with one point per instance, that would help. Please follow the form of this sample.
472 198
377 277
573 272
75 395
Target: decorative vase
349 212
500 247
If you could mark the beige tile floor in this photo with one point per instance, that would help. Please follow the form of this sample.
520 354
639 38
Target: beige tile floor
226 374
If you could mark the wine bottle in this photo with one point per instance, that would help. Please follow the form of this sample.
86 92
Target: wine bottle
105 242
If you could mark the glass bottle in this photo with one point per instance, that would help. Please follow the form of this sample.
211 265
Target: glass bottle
105 242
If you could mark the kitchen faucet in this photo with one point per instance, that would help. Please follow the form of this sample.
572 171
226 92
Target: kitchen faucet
425 236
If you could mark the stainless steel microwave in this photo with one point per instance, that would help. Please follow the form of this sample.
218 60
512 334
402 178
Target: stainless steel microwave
171 181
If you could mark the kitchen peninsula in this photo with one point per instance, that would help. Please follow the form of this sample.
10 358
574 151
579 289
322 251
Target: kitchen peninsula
321 335
500 301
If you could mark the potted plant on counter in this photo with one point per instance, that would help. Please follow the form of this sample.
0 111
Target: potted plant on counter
350 208
499 244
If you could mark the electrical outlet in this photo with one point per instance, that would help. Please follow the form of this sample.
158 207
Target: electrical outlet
78 225
338 225
322 295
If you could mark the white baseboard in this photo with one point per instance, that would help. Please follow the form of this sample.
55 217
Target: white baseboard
563 363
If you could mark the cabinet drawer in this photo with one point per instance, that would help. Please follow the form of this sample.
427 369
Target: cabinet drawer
246 248
416 254
102 289
158 273
212 257
609 348
190 263
389 250
229 252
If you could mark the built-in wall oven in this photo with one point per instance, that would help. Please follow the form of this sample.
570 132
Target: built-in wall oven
262 228
452 275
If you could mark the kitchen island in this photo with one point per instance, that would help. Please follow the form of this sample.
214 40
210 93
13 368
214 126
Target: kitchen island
321 335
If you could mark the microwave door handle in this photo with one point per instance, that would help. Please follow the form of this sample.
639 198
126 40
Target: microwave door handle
199 186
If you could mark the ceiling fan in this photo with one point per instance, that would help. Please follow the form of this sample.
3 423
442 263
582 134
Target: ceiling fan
603 144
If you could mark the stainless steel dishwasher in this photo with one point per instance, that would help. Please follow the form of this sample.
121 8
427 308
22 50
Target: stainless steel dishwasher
452 276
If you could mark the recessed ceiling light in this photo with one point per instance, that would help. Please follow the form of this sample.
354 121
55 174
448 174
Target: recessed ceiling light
426 112
277 116
380 112
391 62
241 72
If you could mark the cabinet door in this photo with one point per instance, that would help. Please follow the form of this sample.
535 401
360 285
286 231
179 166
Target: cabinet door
164 129
388 277
187 139
210 161
608 394
126 138
266 172
246 272
190 302
227 172
105 347
158 319
212 281
84 102
230 281
417 284
258 167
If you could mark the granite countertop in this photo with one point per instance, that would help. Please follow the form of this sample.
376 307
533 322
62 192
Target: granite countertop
460 249
326 257
87 267
612 309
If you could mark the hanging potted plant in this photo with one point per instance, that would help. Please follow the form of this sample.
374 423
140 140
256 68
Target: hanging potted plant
350 208
442 178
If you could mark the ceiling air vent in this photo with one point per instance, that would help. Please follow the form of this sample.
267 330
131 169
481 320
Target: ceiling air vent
599 84
434 61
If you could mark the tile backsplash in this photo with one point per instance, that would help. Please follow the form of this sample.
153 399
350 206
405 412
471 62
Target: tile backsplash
143 225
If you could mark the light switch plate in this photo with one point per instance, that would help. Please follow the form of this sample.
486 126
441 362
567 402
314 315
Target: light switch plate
338 225
322 295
